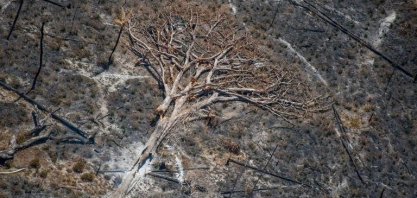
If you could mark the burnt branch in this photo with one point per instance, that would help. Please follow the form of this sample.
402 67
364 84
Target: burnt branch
110 61
265 172
53 115
269 159
342 139
313 9
38 129
15 19
164 177
59 5
71 139
40 59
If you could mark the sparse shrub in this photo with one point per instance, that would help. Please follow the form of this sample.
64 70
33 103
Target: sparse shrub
43 174
16 191
355 122
21 138
368 107
231 146
8 164
79 166
87 177
3 184
35 163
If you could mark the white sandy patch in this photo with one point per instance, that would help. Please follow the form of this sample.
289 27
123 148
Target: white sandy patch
180 168
112 80
337 190
368 58
4 4
304 60
178 164
233 7
384 28
124 161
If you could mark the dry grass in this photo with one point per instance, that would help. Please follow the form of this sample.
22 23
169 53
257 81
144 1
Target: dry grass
355 123
368 107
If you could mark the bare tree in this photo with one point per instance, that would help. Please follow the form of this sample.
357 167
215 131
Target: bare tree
121 20
200 58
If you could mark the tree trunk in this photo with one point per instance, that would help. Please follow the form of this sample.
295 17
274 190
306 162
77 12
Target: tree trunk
150 147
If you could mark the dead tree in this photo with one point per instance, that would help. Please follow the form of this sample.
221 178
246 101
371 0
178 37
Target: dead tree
201 58
40 59
120 20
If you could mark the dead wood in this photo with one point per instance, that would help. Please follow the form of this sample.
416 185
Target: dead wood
37 130
164 177
53 115
110 61
237 179
245 191
59 5
382 193
15 19
71 139
265 172
343 130
316 12
11 172
40 60
270 157
339 123
14 147
171 171
35 120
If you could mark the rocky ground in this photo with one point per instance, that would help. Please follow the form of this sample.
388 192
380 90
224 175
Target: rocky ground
364 145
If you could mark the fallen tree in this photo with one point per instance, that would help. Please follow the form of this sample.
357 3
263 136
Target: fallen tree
201 58
14 147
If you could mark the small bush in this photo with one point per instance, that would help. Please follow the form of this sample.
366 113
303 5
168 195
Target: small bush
35 163
79 166
3 184
231 146
87 177
8 164
43 174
